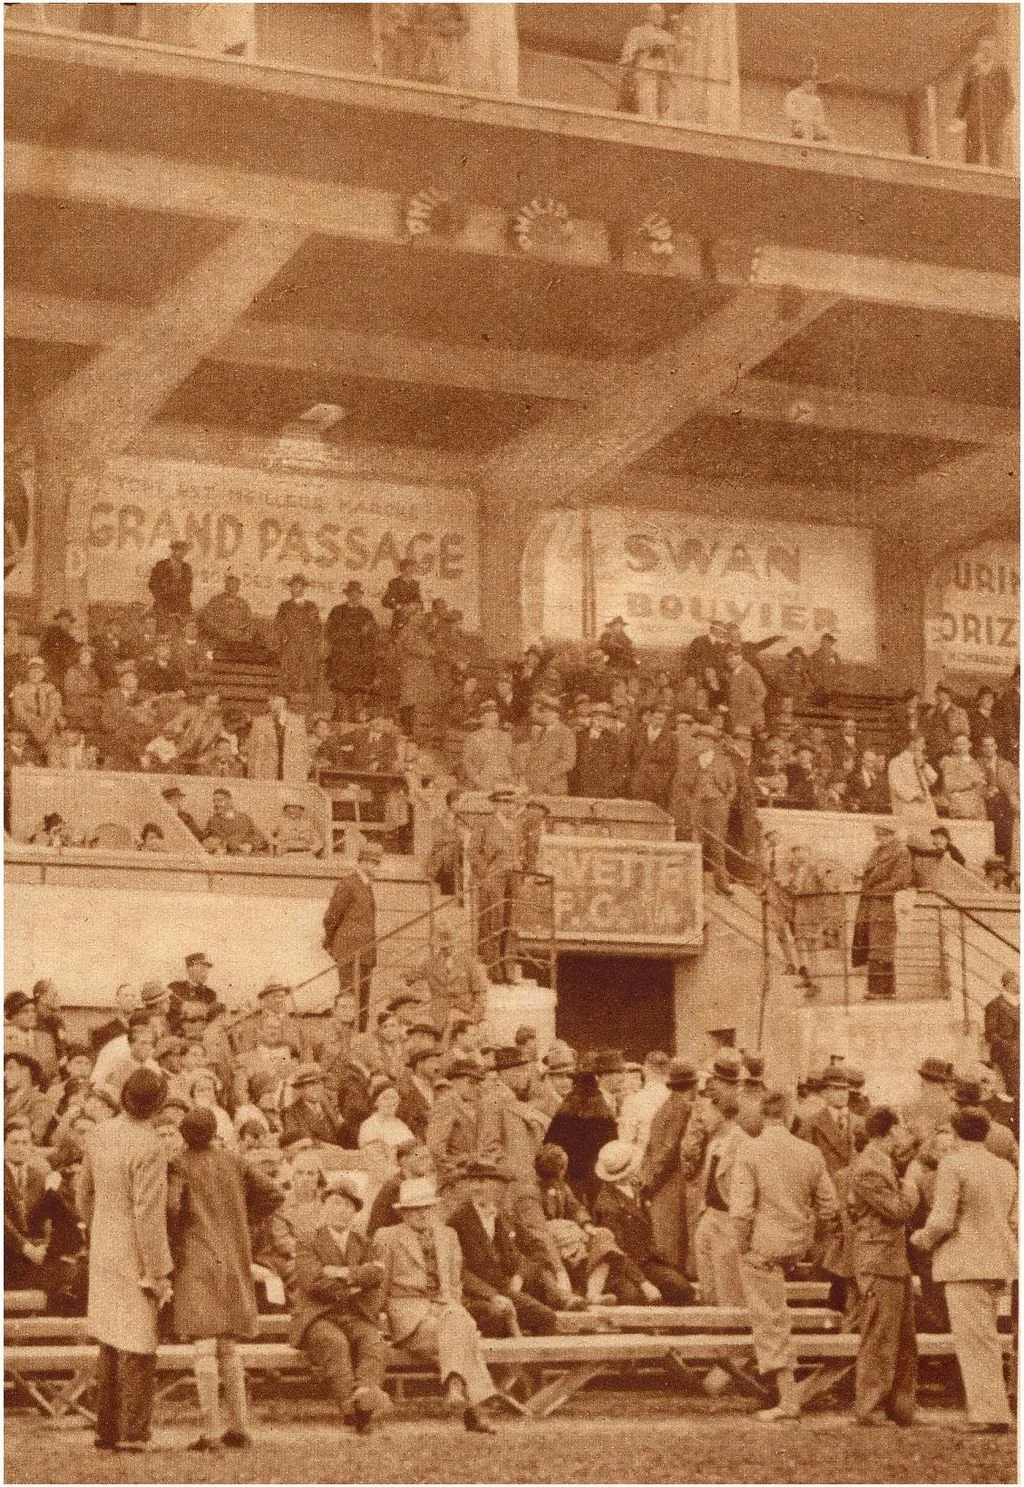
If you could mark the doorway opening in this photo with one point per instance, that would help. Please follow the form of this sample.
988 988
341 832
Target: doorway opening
616 1001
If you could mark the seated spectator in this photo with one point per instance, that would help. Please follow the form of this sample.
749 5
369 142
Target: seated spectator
296 833
382 1130
944 720
82 691
70 750
332 749
190 655
771 780
25 1178
310 1116
201 727
20 1023
161 753
232 828
159 675
24 1096
793 676
37 708
152 838
620 1208
867 788
582 1262
126 722
228 622
496 1278
175 798
963 782
55 832
221 761
805 786
374 746
272 1055
336 1311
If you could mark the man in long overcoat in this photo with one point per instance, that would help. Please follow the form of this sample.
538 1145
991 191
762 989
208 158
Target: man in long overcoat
350 931
888 871
298 633
122 1197
661 1174
351 638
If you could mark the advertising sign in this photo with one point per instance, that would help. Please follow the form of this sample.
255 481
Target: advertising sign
669 574
265 524
973 611
617 891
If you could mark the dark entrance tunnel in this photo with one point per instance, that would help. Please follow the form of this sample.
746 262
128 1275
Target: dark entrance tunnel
616 1001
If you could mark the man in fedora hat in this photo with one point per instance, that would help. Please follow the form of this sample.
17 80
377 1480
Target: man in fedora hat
1002 1031
780 1193
602 757
661 1174
337 1305
512 1129
546 758
310 1117
298 635
495 1274
453 1127
621 1209
487 752
421 1293
352 641
402 591
350 930
557 1068
170 583
888 871
617 646
833 1129
497 857
930 1111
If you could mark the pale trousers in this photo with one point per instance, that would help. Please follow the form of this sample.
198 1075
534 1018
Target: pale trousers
716 1258
216 1361
764 1289
972 1321
449 1336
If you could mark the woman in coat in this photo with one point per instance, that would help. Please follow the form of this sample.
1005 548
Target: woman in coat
584 1123
122 1198
214 1300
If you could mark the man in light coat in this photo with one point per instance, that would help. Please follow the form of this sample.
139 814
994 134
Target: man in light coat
780 1193
487 752
971 1233
350 931
278 745
911 778
421 1293
745 691
122 1197
546 759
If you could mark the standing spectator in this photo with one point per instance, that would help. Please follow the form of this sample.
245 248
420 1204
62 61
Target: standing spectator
911 778
743 832
228 622
963 782
82 691
617 646
452 1135
170 583
512 1129
214 1305
825 667
704 660
1001 792
422 1295
806 786
944 721
982 718
546 759
639 1108
298 635
1002 1032
497 857
158 675
585 1122
36 707
661 1174
745 691
780 1193
653 758
487 752
402 592
1007 719
190 655
716 1258
792 676
706 779
122 1198
984 106
335 1319
971 1235
888 871
419 693
278 746
930 1111
880 1206
831 1129
350 635
350 931
602 757
59 645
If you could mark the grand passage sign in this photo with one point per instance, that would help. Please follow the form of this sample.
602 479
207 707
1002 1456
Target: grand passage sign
615 891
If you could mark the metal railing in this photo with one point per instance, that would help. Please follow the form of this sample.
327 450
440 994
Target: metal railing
512 919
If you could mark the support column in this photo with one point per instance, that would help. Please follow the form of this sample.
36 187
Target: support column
504 528
491 50
716 58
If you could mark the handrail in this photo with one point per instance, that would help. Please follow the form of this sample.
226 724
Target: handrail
973 917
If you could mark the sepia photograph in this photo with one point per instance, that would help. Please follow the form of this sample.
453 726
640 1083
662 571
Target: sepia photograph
511 742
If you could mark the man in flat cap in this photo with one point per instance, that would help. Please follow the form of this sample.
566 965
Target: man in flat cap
497 857
350 930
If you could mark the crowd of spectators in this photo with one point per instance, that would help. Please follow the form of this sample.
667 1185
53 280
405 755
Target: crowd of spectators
710 738
571 1179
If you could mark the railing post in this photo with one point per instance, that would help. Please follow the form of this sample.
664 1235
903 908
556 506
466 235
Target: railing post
847 950
963 976
766 968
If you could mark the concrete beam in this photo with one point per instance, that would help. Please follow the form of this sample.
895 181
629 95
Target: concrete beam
38 315
152 183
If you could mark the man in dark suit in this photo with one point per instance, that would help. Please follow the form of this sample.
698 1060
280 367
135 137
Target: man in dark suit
1002 1032
621 1209
24 1239
335 1316
653 758
416 1086
170 583
880 1206
350 931
310 1117
831 1129
661 1174
493 1268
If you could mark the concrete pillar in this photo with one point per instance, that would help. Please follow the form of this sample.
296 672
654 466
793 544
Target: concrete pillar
504 527
60 500
490 50
716 58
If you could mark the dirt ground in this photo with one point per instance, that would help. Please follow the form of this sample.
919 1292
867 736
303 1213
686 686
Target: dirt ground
619 1438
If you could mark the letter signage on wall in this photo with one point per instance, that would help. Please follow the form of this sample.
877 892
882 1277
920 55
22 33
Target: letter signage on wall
670 574
973 611
265 524
617 891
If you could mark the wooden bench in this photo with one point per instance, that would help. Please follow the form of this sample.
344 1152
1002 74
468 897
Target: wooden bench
57 1375
24 1303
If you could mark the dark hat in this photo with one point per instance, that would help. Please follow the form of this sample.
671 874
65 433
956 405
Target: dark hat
353 587
479 1170
297 578
855 1078
755 1065
616 619
815 1082
681 1075
935 1070
503 794
307 1074
17 1001
966 1091
402 1000
511 1058
15 1055
464 1068
173 792
607 1061
198 958
52 819
536 804
836 1078
179 542
525 1033
273 986
419 1054
423 1029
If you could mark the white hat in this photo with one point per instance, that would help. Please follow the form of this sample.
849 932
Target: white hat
417 1192
616 1161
